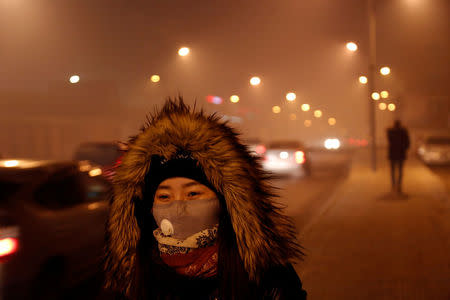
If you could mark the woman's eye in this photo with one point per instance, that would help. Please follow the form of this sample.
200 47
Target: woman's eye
163 197
193 194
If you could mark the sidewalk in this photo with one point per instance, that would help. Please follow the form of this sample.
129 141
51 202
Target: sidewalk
370 244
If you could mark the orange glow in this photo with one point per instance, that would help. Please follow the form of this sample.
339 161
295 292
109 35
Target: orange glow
375 96
332 121
318 113
352 46
306 107
307 123
155 78
8 246
184 51
234 99
382 106
384 94
276 109
391 107
293 117
299 157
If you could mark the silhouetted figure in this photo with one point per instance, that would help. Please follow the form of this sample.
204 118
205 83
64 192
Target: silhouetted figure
398 144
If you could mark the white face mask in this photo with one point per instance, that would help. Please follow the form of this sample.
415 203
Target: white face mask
181 219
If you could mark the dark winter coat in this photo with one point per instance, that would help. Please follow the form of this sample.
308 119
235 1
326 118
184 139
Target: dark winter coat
256 241
398 143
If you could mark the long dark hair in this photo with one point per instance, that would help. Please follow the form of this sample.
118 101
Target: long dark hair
155 280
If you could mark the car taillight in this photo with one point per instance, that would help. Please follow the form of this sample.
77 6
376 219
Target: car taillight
260 149
8 246
299 157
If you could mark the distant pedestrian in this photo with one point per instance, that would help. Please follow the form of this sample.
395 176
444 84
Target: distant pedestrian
398 139
193 216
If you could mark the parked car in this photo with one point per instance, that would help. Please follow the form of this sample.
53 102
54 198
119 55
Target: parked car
435 150
104 154
52 220
256 146
287 158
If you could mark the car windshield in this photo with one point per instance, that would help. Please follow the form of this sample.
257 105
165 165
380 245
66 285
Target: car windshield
285 144
438 140
101 154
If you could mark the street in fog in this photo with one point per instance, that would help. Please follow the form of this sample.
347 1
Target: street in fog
363 242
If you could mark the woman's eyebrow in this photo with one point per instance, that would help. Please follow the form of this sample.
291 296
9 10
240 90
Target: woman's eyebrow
164 187
189 184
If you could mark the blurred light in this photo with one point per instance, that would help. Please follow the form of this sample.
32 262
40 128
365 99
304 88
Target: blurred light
214 99
385 71
391 106
155 78
234 99
8 246
375 96
318 113
93 206
11 163
95 172
255 80
291 96
183 51
284 155
352 46
260 149
363 79
382 106
332 121
74 79
332 144
293 117
307 123
299 157
276 109
364 142
384 94
306 107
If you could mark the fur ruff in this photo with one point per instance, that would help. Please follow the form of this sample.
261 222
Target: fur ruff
265 237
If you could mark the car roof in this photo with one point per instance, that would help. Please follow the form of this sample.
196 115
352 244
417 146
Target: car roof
22 169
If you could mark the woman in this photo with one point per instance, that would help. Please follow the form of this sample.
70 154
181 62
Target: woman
192 216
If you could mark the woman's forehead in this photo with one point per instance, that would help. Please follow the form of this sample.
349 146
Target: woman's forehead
179 182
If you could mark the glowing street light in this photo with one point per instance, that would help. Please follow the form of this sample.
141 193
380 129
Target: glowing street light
276 109
363 79
291 96
307 123
391 106
382 106
255 80
183 51
155 78
385 71
375 96
74 79
318 113
234 99
384 94
351 46
293 117
332 121
306 107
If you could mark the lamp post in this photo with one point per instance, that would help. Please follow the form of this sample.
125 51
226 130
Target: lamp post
371 77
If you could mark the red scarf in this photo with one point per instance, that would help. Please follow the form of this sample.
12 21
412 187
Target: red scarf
201 262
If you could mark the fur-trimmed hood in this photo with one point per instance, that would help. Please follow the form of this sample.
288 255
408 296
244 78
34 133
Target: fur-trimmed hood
265 237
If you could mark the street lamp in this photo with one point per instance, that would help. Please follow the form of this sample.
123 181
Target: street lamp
183 51
74 79
291 96
318 113
306 107
385 71
382 106
332 121
351 46
384 94
391 106
276 109
255 80
234 99
363 79
375 96
155 78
